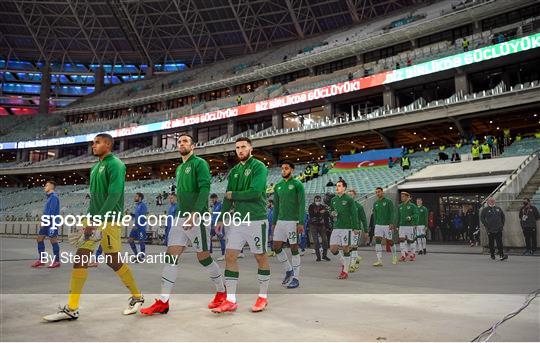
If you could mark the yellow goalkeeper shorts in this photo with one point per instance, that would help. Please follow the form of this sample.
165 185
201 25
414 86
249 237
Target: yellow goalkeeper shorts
111 239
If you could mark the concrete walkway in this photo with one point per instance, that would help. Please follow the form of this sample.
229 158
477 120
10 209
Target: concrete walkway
440 297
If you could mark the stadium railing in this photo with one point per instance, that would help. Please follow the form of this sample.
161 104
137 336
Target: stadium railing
418 105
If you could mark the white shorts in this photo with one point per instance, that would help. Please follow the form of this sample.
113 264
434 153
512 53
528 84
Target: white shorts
355 238
383 231
340 237
198 236
286 230
254 234
407 232
420 230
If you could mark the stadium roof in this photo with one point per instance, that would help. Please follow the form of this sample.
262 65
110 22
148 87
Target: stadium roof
159 31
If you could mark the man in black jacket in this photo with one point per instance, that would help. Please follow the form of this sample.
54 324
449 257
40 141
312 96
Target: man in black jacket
528 215
493 219
317 213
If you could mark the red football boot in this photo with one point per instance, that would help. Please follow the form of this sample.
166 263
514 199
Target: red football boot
219 298
56 264
343 274
226 306
259 305
158 307
37 264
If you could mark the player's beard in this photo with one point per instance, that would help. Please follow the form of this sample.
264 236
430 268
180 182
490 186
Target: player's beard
244 158
184 152
286 176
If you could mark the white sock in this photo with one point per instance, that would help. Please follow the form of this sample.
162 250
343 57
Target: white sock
341 259
231 281
354 255
412 248
424 242
346 263
216 276
394 250
403 248
295 259
168 278
282 257
378 250
264 281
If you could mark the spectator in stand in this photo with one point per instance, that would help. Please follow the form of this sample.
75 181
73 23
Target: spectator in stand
324 169
405 163
390 162
475 152
528 215
397 65
308 173
409 62
443 156
507 137
500 143
500 38
490 141
486 151
465 44
316 170
455 157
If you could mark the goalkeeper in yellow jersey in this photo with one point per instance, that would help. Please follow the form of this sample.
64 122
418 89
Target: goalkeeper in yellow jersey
107 179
